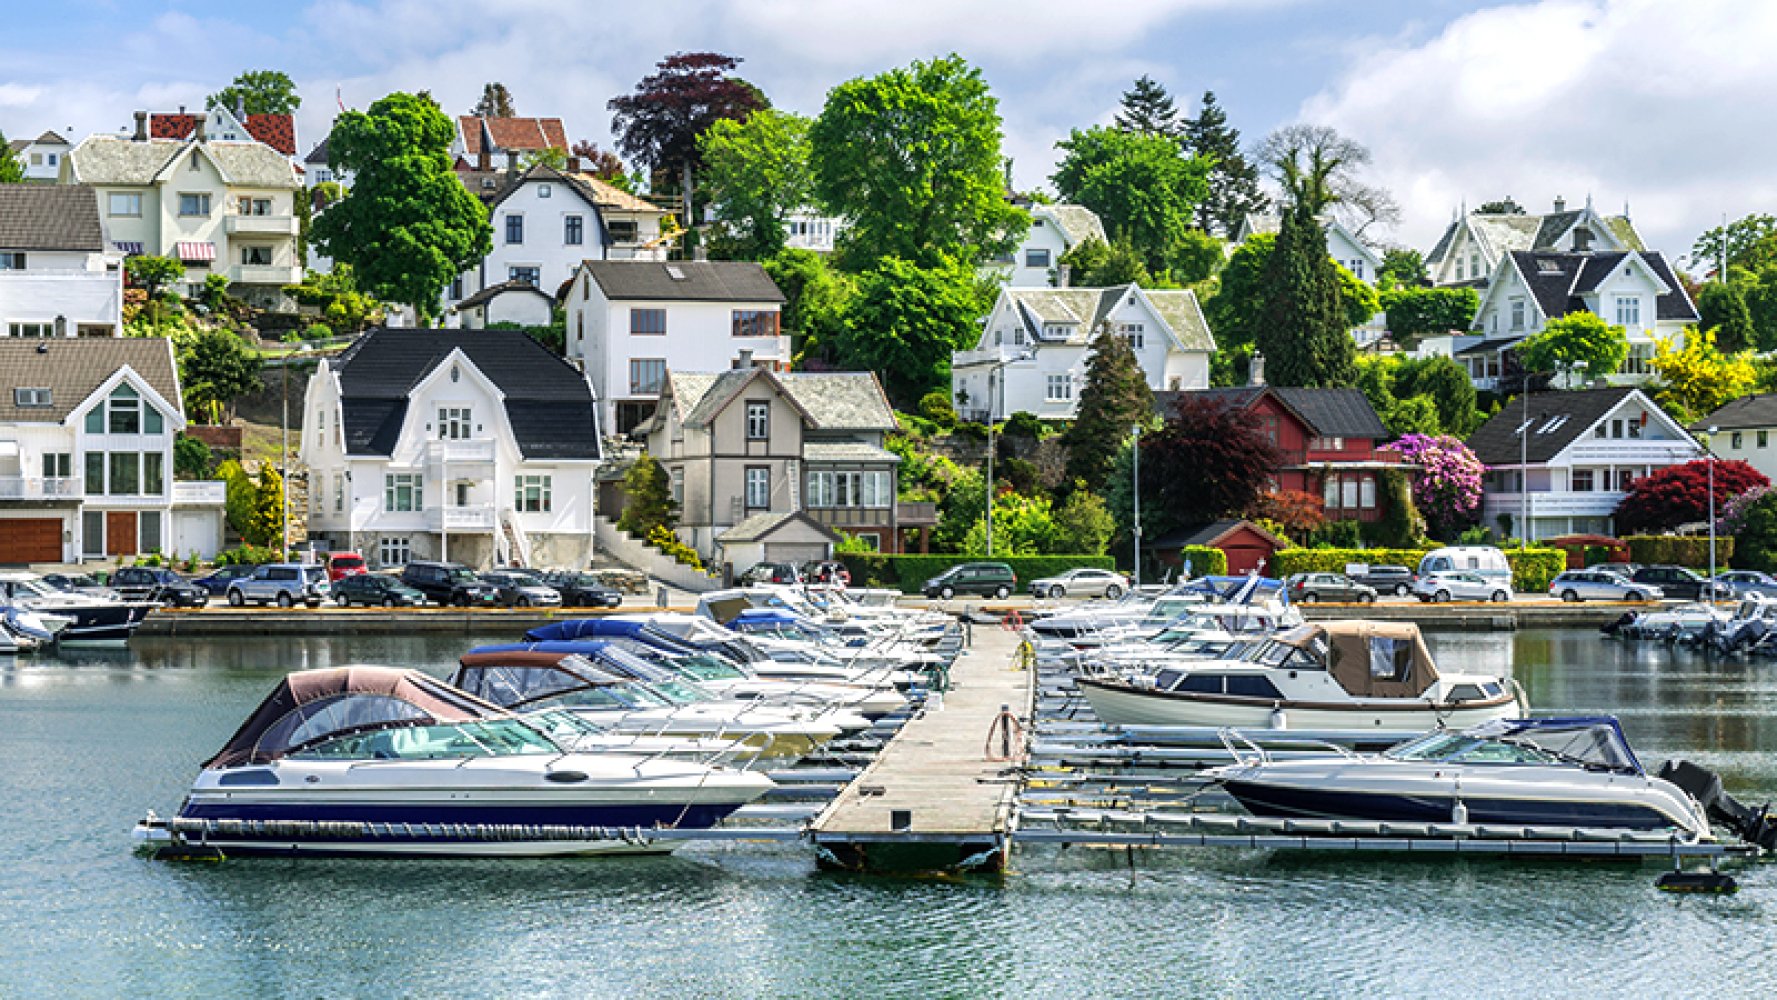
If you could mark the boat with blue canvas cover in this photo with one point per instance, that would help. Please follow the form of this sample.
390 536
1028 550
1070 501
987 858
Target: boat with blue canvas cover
404 759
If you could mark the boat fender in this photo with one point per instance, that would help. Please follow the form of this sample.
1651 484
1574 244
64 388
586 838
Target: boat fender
1280 719
1459 811
565 777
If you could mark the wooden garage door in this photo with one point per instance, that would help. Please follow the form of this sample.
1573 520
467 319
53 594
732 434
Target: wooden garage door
120 532
30 539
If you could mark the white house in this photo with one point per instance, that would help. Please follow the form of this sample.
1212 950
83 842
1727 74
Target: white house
477 446
630 322
1041 339
1635 290
807 230
221 124
57 278
41 157
86 454
1054 230
1472 245
1578 451
1744 430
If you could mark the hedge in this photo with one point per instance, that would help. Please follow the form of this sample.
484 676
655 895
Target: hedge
908 573
1532 569
1205 560
1680 550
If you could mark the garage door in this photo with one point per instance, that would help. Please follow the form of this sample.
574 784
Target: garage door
30 539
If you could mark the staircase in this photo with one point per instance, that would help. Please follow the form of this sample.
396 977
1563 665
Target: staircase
622 547
517 547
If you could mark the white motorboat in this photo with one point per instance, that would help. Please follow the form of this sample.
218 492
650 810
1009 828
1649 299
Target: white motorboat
1673 622
412 766
1328 675
93 619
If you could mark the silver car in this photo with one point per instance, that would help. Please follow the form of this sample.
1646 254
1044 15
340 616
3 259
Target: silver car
283 584
1597 585
1082 583
1453 586
1742 582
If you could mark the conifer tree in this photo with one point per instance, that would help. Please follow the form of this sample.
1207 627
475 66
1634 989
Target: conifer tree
1114 399
1302 330
1233 181
1147 108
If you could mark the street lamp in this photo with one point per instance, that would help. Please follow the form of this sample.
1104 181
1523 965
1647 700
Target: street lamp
999 367
1135 446
1709 449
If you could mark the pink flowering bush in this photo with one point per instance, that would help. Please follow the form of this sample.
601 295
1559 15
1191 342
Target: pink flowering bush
1447 485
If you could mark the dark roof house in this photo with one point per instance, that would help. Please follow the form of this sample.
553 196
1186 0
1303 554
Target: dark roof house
1556 420
71 369
50 217
688 280
1341 413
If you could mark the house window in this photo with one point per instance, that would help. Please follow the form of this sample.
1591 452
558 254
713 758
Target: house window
1367 493
647 322
1763 437
194 204
758 421
1036 258
878 489
11 260
453 423
1061 388
531 494
1327 444
1268 427
755 323
820 489
543 191
125 411
1616 428
394 551
1517 314
1474 265
255 206
339 494
456 288
758 487
27 398
1132 332
1459 273
514 228
125 473
1736 441
1625 479
645 376
1582 480
1628 311
57 465
153 473
871 540
124 205
40 330
573 230
256 256
678 486
148 531
1348 490
403 491
1330 493
621 230
532 276
1636 361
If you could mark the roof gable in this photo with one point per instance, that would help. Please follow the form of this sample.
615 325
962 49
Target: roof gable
512 134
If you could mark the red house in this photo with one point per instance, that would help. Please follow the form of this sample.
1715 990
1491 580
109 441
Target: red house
1328 437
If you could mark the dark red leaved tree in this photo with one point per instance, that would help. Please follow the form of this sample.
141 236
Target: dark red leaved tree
601 163
1209 461
658 125
1679 494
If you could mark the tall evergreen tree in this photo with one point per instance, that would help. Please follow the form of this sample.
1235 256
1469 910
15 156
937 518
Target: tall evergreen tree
1302 332
1147 108
1114 399
1233 180
496 102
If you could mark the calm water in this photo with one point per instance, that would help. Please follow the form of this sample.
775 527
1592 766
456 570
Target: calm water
89 742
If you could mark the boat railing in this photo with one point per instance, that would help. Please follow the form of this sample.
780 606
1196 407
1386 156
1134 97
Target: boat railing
1235 740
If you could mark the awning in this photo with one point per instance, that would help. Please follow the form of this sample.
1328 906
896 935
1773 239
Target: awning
129 247
192 253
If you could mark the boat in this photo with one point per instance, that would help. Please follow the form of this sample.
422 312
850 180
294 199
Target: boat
1570 772
394 761
1677 621
94 619
1327 675
23 630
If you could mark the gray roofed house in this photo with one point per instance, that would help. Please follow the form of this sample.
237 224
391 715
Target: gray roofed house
57 276
1054 230
1744 429
1472 245
50 217
72 370
107 160
696 280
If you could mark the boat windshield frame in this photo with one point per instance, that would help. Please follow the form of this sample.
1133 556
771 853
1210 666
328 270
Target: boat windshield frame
468 739
1590 745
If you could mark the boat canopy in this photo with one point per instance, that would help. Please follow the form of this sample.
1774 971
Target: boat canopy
517 677
1587 740
312 705
1367 658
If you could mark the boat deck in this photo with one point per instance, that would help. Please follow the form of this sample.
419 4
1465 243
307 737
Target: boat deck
932 799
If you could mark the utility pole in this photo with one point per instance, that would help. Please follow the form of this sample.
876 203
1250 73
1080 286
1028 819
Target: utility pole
1135 445
284 458
1524 464
990 373
1709 449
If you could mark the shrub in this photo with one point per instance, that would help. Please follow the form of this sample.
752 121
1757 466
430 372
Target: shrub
1679 494
1024 424
1679 550
247 555
317 331
974 432
909 572
1291 561
1334 535
1532 569
191 458
1205 560
662 538
1590 550
1755 539
935 406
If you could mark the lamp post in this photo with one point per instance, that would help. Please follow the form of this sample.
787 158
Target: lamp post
997 367
284 458
1524 464
1135 476
1709 450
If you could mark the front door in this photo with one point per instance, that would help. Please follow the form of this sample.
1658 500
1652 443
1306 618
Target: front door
120 532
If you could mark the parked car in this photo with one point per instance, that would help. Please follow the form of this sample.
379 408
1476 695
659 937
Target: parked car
1597 585
829 572
283 584
981 578
1745 582
1622 569
1082 582
449 583
1483 560
1307 588
343 564
218 579
373 589
1396 580
1683 584
81 583
583 590
519 590
158 585
771 572
1463 586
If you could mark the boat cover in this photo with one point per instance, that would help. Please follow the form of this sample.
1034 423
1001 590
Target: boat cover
516 678
310 705
1369 659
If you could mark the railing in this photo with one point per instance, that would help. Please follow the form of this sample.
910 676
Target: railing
472 518
471 450
1596 503
916 512
264 274
271 225
845 516
40 487
199 493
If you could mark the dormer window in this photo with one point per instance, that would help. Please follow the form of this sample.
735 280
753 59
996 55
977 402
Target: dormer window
29 398
124 412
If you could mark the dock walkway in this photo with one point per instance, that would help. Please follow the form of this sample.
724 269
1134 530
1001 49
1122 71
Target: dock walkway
931 800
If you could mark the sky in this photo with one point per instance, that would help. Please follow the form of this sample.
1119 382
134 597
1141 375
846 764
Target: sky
1658 106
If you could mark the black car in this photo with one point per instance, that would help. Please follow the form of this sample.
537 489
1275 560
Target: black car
449 583
373 589
158 585
986 579
216 582
583 590
1678 582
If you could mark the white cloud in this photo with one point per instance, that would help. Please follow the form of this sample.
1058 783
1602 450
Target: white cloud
1623 100
18 95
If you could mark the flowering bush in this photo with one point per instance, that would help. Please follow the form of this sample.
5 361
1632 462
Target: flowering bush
1447 487
1734 512
1679 494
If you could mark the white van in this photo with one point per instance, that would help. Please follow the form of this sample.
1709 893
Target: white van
1486 560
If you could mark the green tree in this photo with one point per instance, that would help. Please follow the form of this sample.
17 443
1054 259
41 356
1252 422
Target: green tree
1580 342
191 458
1084 525
1318 169
1304 326
815 301
912 158
1694 380
1233 311
153 274
1197 257
553 157
1415 312
11 170
260 92
1504 206
1143 187
756 172
408 226
266 523
216 368
1358 299
1092 263
239 495
1721 308
495 102
649 503
1233 179
1114 399
1147 110
1755 541
1751 243
906 320
1412 415
960 507
1022 526
1401 268
1446 386
1760 292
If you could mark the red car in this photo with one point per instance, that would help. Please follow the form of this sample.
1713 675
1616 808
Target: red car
343 564
829 572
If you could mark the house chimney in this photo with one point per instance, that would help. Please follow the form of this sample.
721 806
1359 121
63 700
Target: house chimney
1560 204
141 126
1256 371
745 360
198 133
484 157
240 111
511 163
1063 274
573 164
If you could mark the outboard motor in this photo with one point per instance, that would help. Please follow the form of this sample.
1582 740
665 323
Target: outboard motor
1620 624
1755 826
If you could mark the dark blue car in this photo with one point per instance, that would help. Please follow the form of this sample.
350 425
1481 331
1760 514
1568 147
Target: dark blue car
217 581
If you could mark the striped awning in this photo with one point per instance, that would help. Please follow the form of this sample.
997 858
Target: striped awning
128 247
194 252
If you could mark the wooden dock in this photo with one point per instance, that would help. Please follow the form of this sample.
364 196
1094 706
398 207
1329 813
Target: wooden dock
933 800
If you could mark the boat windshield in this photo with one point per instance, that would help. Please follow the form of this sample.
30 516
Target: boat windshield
565 727
451 740
1282 655
704 667
1597 747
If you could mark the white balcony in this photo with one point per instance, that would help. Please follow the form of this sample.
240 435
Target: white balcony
199 493
264 274
991 356
1559 503
472 518
461 453
260 225
40 487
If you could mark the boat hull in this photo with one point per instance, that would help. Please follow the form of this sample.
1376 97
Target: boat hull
1289 802
99 624
1119 705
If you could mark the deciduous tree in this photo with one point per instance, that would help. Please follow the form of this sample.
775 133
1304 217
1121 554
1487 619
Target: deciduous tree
905 321
260 92
601 163
11 170
659 123
1318 169
756 172
216 368
1084 525
1447 485
815 301
1303 322
1233 179
153 274
1143 187
1401 268
1209 460
1579 342
1721 309
1113 401
1750 243
1093 263
1679 494
1415 312
1443 384
1695 380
